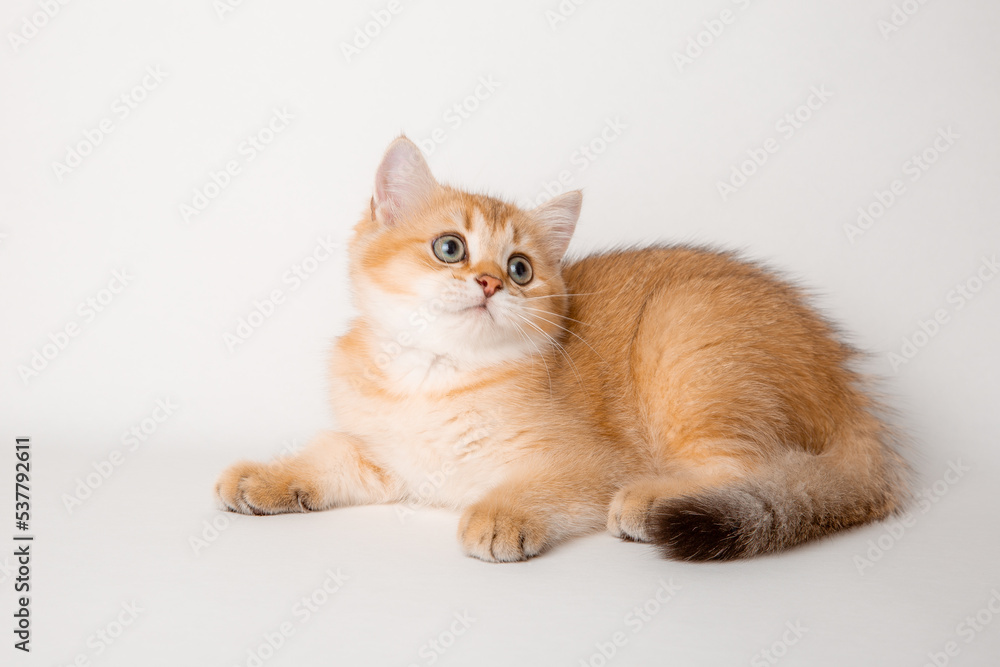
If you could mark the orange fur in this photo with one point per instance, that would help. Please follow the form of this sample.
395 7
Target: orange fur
670 394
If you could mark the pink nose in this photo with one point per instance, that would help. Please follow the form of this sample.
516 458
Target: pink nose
489 283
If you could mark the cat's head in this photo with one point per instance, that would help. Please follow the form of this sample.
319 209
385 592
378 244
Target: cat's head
466 276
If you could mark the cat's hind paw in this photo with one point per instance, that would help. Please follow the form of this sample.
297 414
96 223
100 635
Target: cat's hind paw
630 512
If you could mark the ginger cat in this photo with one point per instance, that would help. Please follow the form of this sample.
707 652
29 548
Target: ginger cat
673 395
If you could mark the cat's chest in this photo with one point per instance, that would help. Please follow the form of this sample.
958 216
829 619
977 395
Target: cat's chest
445 451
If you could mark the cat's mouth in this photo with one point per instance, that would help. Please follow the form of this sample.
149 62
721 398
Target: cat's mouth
480 308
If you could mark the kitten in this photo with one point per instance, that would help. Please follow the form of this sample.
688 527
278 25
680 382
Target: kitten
674 395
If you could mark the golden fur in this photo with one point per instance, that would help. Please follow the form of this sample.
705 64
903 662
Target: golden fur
673 395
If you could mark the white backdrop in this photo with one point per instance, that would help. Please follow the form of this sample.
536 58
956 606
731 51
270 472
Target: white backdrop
167 167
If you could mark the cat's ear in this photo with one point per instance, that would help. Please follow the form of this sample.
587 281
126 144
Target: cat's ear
403 182
559 216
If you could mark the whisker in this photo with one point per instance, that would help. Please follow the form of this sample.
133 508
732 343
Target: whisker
553 296
541 355
573 333
565 317
558 347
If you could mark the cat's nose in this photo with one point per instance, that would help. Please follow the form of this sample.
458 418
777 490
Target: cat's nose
489 283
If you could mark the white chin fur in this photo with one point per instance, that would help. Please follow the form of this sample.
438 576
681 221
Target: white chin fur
438 335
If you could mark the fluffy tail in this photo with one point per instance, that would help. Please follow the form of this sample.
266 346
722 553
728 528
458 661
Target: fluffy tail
796 498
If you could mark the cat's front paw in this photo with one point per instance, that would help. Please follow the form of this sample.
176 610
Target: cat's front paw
501 534
260 488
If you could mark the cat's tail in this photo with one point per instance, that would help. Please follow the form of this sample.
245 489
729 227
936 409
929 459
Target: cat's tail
797 497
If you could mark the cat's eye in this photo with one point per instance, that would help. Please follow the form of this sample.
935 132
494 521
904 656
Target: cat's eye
519 269
449 248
